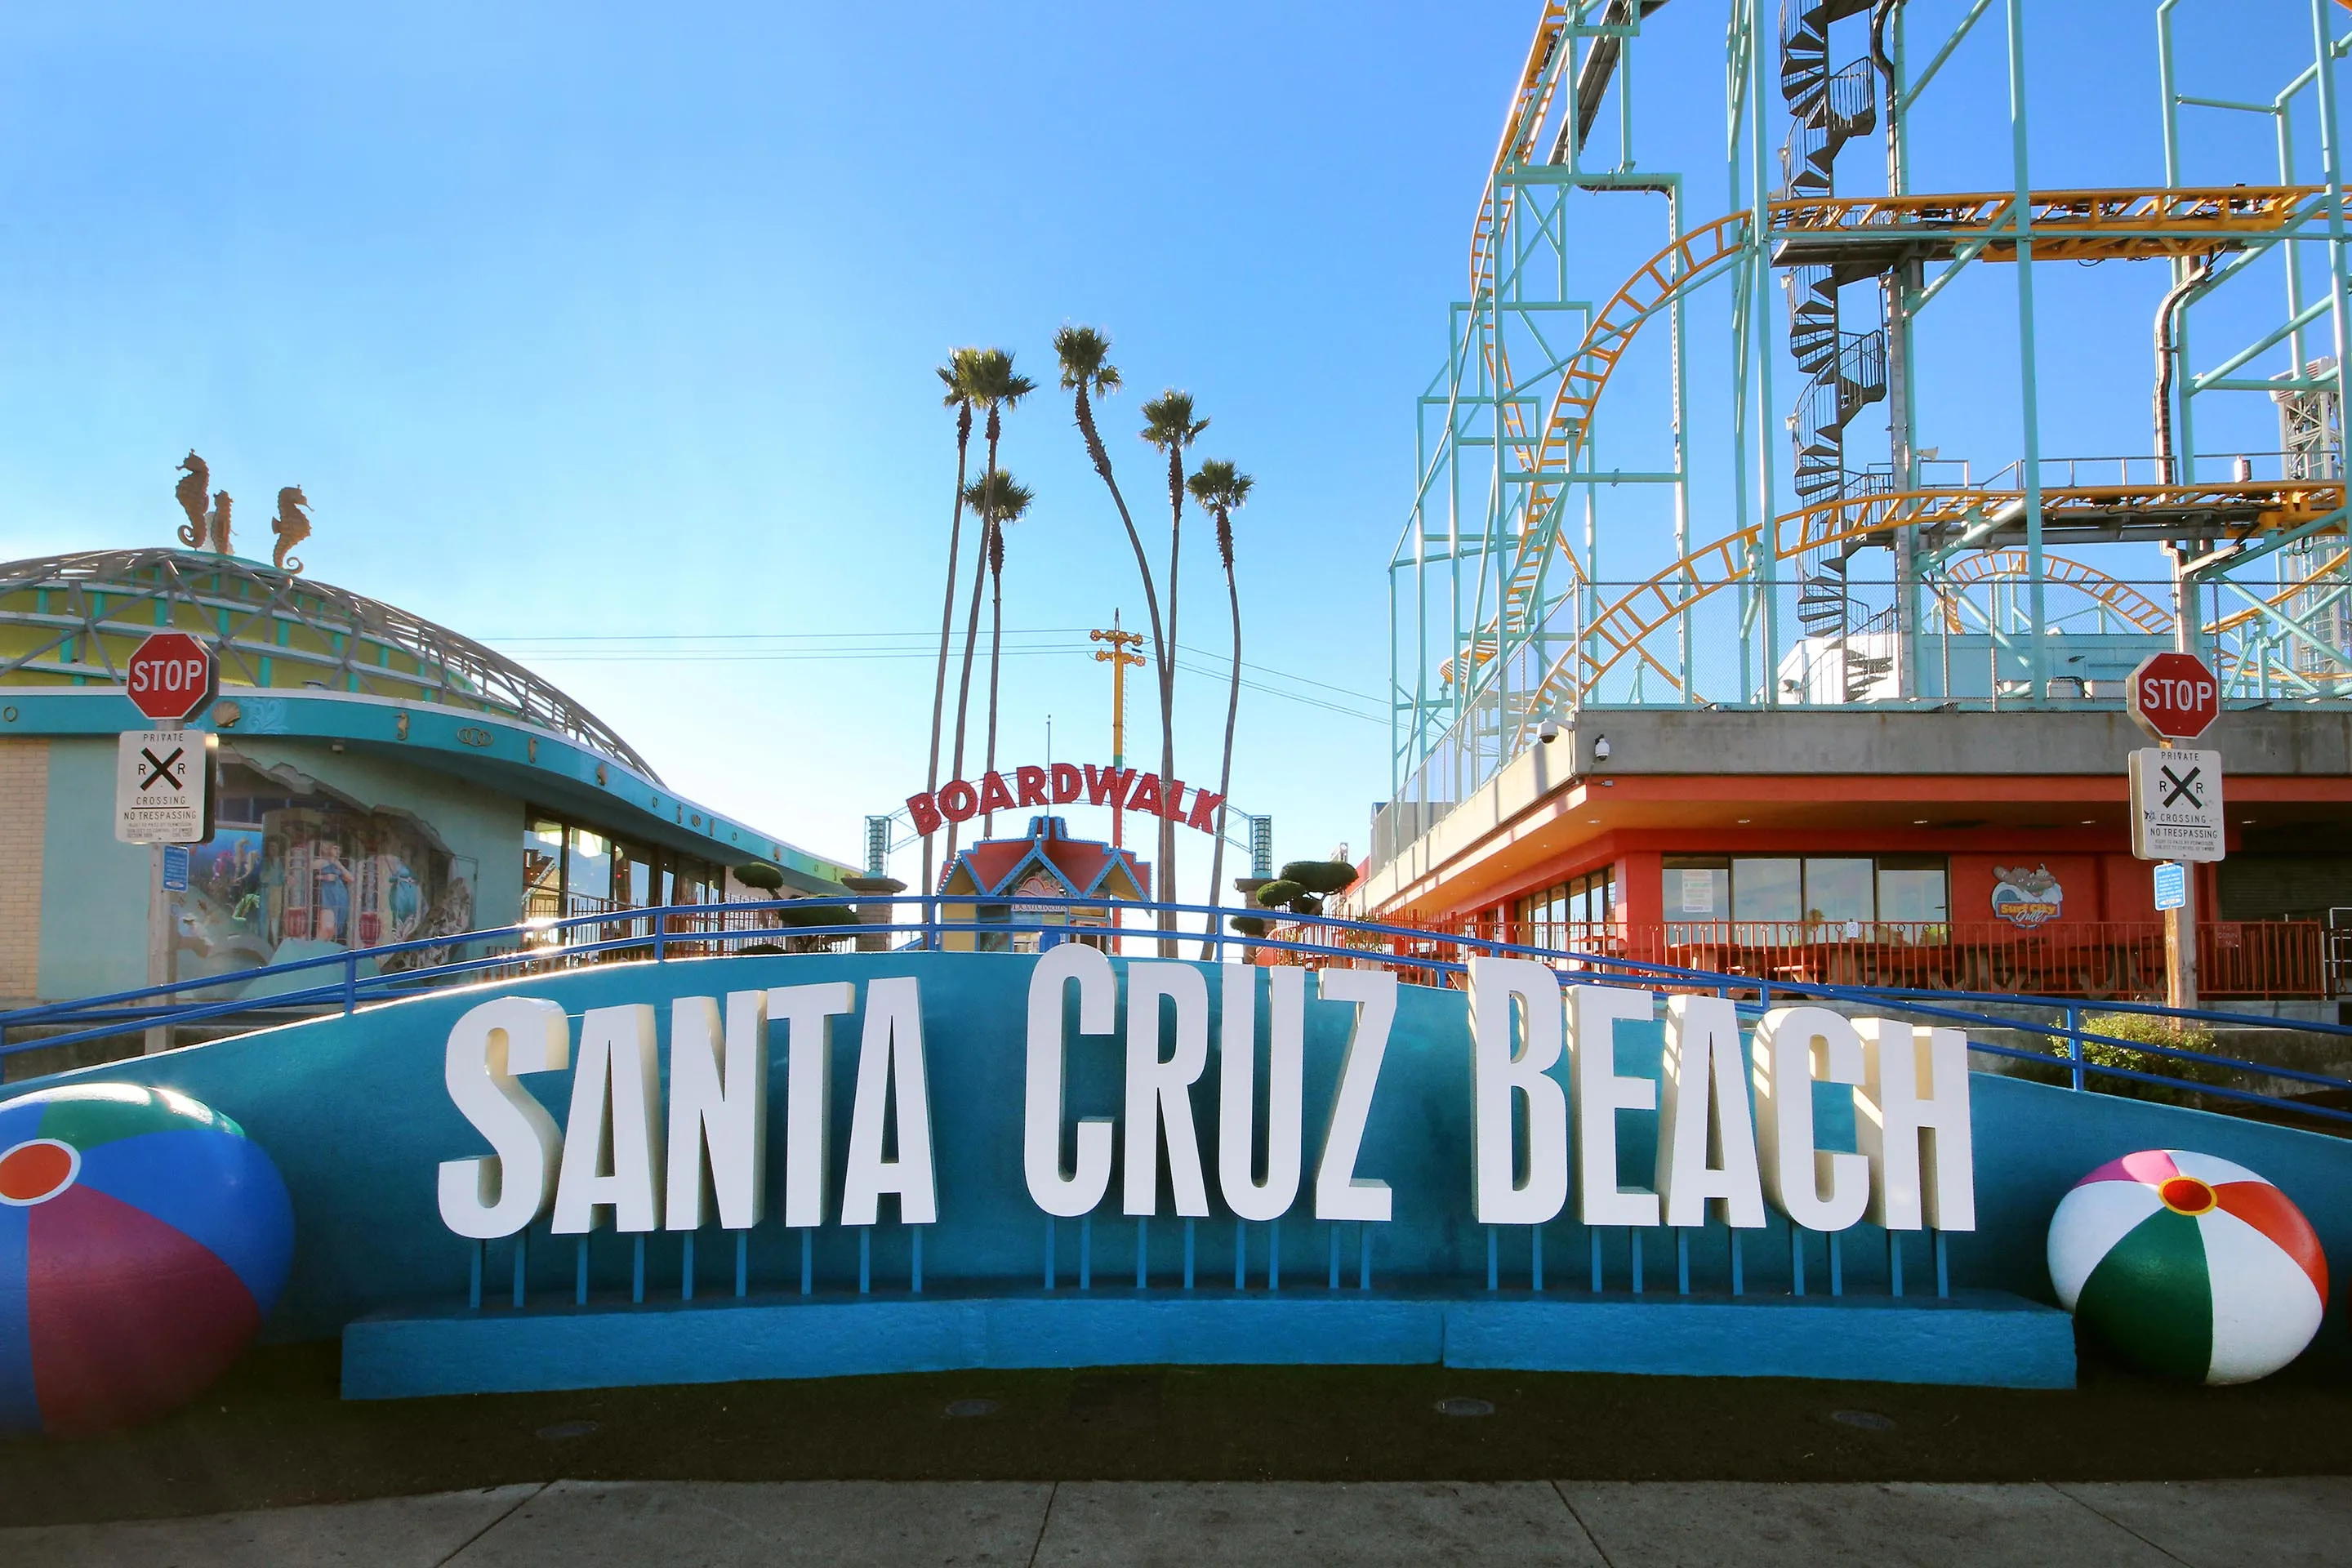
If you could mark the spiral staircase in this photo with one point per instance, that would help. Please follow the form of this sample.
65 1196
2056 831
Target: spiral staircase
1846 371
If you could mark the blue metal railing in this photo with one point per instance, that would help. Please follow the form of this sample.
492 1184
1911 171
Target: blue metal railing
344 982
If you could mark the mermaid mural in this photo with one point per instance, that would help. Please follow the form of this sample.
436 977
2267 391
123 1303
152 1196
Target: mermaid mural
291 874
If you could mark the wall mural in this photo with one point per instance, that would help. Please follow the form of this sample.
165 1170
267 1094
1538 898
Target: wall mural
289 874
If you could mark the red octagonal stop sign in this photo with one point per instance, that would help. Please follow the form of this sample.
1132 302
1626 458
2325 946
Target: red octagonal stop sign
171 678
2174 696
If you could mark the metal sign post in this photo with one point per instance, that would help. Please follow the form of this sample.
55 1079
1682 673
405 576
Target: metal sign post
2176 795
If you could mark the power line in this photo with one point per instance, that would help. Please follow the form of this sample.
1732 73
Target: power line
918 641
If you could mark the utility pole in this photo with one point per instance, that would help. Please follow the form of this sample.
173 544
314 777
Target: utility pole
1120 656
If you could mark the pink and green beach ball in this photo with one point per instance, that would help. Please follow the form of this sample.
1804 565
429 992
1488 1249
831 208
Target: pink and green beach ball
2189 1266
143 1237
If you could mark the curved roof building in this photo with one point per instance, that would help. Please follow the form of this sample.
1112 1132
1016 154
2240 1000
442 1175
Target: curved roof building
381 778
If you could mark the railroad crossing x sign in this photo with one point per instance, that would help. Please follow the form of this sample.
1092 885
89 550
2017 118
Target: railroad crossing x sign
2176 804
162 786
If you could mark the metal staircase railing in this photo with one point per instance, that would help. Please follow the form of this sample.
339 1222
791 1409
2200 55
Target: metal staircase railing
1845 372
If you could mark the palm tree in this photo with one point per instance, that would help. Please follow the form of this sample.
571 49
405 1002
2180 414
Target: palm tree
1087 374
1168 425
956 377
999 499
1221 490
994 387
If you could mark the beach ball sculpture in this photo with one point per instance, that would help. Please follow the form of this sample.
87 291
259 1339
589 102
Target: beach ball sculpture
2189 1266
143 1237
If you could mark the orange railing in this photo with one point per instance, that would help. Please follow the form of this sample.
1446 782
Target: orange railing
2095 960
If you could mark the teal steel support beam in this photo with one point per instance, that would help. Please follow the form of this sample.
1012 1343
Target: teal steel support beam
2028 397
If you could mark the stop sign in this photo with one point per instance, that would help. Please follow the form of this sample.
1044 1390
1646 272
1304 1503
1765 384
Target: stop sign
171 678
2174 696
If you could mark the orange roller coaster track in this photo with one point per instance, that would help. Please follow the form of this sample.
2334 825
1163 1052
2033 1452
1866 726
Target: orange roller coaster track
2062 224
2116 595
1626 622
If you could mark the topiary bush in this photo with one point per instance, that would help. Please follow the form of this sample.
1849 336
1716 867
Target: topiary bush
1278 893
809 912
760 875
1251 925
1320 876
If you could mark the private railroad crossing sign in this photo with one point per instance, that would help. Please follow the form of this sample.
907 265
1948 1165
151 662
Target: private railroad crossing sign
161 786
171 678
2176 804
2174 696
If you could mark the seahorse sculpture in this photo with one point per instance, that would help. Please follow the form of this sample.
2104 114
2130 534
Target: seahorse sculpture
292 526
221 504
193 482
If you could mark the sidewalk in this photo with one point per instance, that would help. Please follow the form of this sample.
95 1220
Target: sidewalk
1608 1525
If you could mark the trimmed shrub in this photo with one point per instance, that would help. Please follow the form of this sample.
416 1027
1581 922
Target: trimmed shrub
1320 876
1250 925
760 875
2147 1029
1279 892
809 912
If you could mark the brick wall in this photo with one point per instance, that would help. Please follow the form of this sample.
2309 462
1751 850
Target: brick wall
24 816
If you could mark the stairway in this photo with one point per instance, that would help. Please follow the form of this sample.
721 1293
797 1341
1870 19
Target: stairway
1845 372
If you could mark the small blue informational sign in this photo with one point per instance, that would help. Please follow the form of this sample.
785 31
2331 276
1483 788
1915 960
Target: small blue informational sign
2172 885
175 867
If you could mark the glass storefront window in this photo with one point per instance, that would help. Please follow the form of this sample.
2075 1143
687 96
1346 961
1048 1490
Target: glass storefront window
1697 888
1838 890
1571 915
1912 888
1766 889
543 870
590 872
1763 892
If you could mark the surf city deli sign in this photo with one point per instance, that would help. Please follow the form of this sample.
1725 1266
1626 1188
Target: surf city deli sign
2027 897
1065 784
1540 1057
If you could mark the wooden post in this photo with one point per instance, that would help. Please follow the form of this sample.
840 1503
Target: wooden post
2180 938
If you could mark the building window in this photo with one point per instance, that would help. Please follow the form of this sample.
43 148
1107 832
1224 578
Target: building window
570 870
1771 898
1577 913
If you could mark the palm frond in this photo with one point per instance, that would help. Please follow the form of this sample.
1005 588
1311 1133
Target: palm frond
1168 422
998 497
994 383
1085 356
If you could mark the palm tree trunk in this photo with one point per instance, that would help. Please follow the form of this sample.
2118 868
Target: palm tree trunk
1168 699
1225 768
963 688
996 659
971 623
1160 650
947 626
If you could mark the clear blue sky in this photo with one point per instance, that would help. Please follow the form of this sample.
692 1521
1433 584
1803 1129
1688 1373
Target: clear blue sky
604 322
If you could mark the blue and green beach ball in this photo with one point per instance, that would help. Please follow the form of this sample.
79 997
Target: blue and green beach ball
143 1237
2189 1266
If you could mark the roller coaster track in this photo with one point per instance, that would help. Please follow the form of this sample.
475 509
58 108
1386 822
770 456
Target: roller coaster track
2332 565
1624 624
2065 224
2116 595
2122 599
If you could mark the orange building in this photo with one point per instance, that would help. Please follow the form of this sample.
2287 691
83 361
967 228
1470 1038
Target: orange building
1970 851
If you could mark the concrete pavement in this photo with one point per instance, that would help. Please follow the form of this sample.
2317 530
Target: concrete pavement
590 1524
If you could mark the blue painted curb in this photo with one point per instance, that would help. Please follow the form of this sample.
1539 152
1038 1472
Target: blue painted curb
1983 1338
